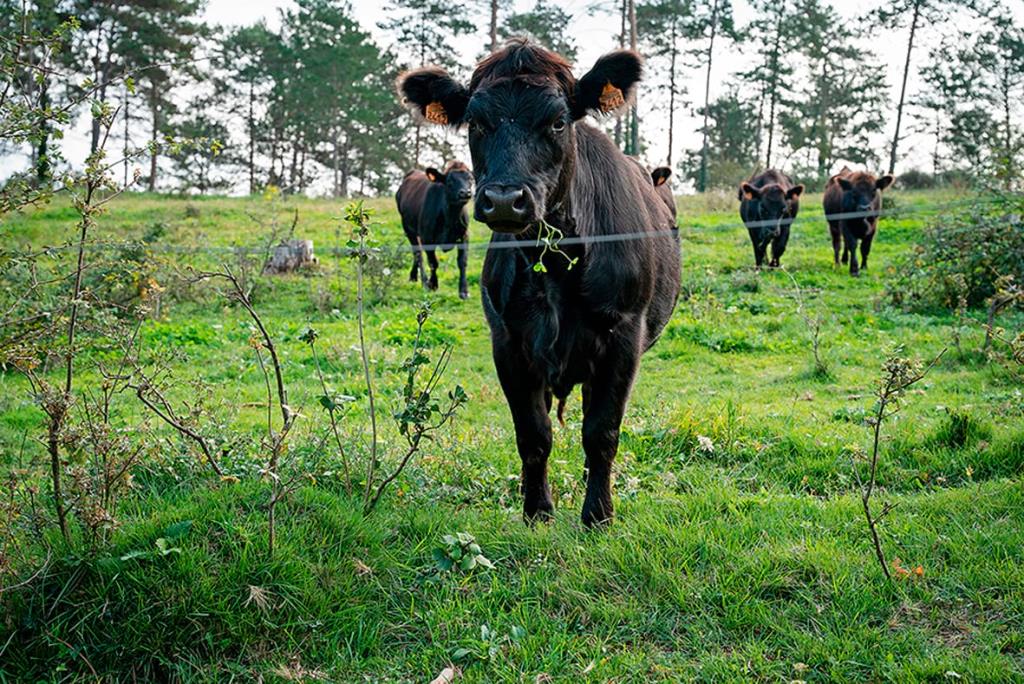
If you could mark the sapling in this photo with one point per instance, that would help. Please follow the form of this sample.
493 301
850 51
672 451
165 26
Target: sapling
898 375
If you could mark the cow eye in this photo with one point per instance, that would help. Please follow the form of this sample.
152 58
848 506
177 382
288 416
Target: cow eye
558 125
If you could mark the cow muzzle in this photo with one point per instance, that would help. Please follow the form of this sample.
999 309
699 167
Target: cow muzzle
505 208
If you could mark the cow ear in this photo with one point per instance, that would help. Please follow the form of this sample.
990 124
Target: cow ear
749 191
433 175
434 95
884 182
844 183
795 191
661 175
610 85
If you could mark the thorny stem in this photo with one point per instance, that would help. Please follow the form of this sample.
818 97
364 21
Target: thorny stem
334 422
888 395
366 362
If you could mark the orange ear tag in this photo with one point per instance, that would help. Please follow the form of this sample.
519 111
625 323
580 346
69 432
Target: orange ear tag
435 113
611 98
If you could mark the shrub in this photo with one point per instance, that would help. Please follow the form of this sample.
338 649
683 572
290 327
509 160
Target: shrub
962 256
915 179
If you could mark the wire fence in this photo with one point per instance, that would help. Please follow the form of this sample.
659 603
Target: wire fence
805 218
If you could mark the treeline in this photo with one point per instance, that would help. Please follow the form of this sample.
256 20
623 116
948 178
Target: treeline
310 106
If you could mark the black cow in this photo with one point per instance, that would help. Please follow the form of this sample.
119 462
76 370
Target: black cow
768 204
853 201
433 209
584 322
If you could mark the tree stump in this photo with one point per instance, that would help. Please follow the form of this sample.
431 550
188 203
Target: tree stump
291 255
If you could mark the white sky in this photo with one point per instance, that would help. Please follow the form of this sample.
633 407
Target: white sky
595 35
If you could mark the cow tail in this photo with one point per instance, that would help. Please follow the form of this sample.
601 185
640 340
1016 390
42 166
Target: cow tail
561 411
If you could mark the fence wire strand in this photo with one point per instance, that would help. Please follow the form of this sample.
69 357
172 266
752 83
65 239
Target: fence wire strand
513 243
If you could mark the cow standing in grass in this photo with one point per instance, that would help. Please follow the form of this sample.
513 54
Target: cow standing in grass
769 202
853 201
583 313
433 209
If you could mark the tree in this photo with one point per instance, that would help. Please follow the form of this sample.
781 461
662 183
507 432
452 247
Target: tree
660 23
913 14
545 24
158 39
710 18
973 88
835 112
730 150
424 31
243 72
770 33
196 163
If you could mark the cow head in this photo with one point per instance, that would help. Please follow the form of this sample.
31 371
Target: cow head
861 192
520 108
771 205
457 180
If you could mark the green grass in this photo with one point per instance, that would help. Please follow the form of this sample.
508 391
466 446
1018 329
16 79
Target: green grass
746 561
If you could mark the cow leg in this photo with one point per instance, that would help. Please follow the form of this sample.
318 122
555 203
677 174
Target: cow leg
432 260
865 249
529 403
833 228
416 259
586 409
850 243
779 246
463 260
601 425
419 262
755 240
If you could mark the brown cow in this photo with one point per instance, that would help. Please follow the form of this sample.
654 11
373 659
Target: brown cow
853 202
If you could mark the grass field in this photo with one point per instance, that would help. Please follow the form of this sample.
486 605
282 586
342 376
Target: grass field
742 558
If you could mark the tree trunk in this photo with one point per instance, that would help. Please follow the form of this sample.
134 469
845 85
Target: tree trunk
903 88
43 169
634 129
345 168
622 44
774 93
154 111
672 96
707 101
127 140
416 147
252 139
494 25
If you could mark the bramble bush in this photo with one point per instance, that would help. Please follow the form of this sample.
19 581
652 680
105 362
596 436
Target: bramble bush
963 256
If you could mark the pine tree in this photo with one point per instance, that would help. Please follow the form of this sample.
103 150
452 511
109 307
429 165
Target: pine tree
423 33
836 111
545 24
661 27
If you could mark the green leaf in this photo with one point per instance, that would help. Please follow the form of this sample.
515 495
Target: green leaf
461 653
484 561
468 563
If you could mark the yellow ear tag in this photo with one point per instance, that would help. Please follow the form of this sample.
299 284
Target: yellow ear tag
611 98
435 113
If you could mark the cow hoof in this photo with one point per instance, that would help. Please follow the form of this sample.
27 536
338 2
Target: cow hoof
463 295
597 515
542 511
855 275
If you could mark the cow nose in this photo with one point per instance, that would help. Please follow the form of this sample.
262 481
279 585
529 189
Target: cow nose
464 195
504 205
